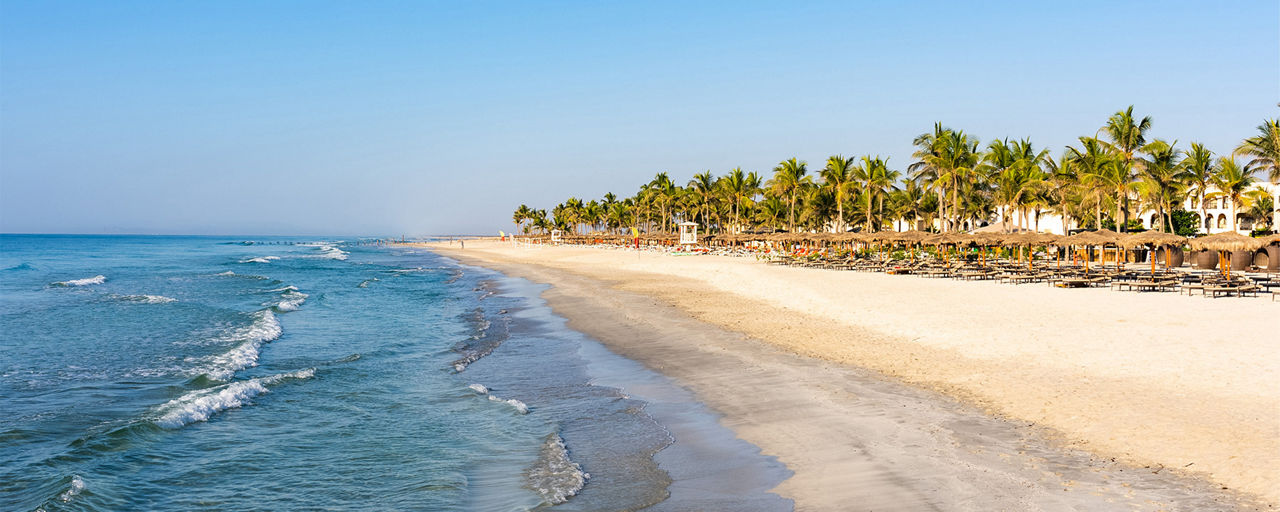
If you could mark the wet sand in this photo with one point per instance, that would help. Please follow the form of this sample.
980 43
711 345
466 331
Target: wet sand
854 438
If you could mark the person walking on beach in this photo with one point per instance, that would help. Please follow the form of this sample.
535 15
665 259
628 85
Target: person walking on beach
464 243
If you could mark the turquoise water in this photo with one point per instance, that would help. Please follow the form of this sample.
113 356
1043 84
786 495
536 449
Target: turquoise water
183 373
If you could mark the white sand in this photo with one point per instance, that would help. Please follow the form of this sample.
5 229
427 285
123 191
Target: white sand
1163 380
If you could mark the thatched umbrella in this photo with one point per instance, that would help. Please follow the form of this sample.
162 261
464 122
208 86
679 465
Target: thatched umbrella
1021 240
1224 243
1050 239
1153 239
1088 239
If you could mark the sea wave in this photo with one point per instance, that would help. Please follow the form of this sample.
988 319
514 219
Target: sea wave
554 476
333 253
77 486
261 259
250 338
290 301
21 266
198 406
146 299
519 406
98 279
479 388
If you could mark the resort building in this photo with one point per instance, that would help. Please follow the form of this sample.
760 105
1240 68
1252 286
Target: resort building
1215 217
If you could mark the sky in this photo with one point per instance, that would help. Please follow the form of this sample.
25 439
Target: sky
388 118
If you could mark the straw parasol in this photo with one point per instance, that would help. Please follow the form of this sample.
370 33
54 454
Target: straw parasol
1227 241
1099 238
1224 243
1153 239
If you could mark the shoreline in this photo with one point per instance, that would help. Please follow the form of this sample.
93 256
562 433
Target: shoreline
906 448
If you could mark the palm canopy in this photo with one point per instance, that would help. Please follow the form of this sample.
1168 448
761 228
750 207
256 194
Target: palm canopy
954 184
1264 149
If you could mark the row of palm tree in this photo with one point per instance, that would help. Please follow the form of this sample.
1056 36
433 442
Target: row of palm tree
953 183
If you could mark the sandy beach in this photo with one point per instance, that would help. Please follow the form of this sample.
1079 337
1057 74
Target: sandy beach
897 392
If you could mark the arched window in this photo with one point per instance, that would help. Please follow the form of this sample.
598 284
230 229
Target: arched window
1155 218
1244 221
1208 222
1222 221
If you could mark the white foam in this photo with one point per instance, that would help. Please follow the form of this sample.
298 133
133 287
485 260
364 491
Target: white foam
77 485
98 279
555 477
198 406
290 301
335 253
261 259
290 288
518 405
264 328
147 299
227 273
479 388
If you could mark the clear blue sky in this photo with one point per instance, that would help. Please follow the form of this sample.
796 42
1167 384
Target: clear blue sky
424 118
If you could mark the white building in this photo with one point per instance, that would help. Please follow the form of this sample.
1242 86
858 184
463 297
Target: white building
1216 218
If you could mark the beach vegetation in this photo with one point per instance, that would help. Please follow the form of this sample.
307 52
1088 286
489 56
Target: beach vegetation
956 183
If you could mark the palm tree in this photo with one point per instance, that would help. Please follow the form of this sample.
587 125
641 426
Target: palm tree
740 187
620 215
837 177
704 188
771 212
521 214
928 166
1232 180
1260 206
1265 149
1061 187
664 193
788 178
875 180
1198 169
1163 178
957 166
541 222
818 207
1100 170
1127 137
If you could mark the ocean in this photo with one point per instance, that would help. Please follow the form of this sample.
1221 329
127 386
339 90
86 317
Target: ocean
287 373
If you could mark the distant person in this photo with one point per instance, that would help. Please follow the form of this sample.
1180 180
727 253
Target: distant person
463 243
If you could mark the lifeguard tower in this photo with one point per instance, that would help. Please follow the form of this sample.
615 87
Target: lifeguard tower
555 236
688 233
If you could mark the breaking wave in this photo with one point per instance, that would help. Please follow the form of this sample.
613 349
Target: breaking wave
98 279
479 388
146 299
261 259
330 252
264 328
290 301
198 406
519 406
77 486
554 476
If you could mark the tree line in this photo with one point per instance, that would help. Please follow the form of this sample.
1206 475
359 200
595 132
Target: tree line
954 183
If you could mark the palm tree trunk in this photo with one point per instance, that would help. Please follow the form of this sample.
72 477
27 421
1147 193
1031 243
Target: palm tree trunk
791 214
839 213
942 210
